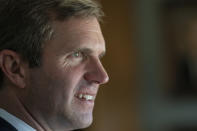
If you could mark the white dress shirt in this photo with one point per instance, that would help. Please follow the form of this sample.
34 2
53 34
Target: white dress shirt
15 122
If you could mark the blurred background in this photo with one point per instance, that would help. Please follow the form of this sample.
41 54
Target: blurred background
152 63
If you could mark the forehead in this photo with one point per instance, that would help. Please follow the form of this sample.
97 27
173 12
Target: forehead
77 33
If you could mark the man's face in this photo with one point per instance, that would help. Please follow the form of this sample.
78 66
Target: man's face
62 91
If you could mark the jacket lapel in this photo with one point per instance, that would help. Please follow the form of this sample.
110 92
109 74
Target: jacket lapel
5 126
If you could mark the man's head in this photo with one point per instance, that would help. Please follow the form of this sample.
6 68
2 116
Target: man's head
50 57
26 24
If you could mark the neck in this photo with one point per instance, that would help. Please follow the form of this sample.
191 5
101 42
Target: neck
14 106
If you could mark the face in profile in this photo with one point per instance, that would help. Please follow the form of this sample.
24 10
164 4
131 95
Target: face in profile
61 92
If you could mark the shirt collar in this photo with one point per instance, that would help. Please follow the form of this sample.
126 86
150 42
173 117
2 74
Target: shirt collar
14 121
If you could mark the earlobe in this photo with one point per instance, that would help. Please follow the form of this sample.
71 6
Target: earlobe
11 65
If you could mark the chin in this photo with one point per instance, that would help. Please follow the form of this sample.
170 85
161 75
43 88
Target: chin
83 122
87 124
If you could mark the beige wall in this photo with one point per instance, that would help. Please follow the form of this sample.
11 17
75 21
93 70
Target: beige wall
116 101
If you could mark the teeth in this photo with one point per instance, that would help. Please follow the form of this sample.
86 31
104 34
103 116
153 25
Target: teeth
86 97
80 96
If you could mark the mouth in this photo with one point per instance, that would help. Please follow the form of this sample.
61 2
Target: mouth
85 97
85 100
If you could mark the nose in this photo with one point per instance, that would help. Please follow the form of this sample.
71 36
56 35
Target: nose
96 73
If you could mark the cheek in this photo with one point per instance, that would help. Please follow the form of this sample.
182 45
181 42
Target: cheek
70 75
48 93
65 80
57 82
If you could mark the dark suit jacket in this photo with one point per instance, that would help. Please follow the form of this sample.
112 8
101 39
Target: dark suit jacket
5 126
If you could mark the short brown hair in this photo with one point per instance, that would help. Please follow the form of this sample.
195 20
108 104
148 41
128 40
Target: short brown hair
26 24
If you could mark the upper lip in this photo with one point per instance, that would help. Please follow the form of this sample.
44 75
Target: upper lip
86 93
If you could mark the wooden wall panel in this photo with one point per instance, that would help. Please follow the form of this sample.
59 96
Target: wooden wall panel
115 108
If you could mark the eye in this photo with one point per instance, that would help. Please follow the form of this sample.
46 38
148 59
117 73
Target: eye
75 58
77 54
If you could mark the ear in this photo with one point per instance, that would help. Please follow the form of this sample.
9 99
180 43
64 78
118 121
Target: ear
13 68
